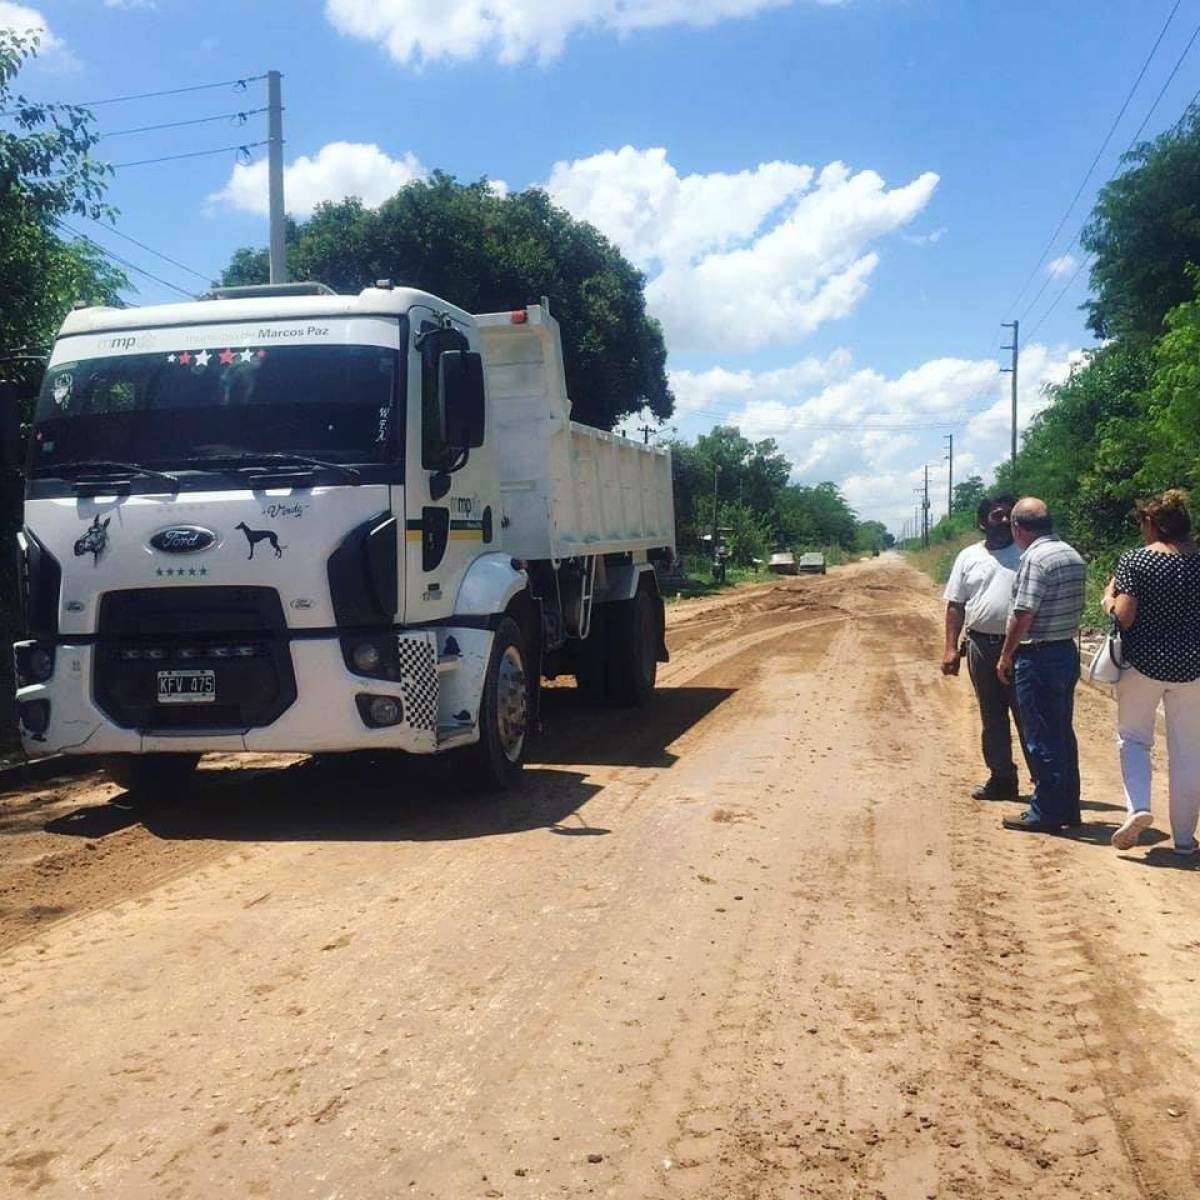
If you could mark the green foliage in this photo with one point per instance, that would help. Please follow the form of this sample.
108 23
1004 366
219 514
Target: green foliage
1172 439
1144 231
759 510
968 494
1081 453
488 253
46 172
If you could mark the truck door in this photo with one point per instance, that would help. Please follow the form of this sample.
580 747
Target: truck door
450 510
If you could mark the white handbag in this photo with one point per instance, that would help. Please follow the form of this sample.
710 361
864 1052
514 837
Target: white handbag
1107 663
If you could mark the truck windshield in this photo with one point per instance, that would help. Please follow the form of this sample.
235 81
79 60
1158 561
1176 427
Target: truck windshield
180 407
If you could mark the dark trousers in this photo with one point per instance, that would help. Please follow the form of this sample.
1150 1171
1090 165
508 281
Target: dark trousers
1045 687
996 702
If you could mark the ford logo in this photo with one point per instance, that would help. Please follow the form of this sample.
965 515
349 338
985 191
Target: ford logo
183 539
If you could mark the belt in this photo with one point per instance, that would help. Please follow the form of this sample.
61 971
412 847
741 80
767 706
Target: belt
992 639
1044 645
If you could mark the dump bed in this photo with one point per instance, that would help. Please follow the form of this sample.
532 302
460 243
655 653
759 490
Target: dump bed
566 489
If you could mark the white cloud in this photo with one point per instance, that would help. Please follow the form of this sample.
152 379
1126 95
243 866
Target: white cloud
1057 267
925 239
740 261
53 53
337 170
873 434
515 30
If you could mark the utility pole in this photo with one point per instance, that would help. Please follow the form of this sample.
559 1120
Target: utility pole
1015 326
950 480
716 479
277 253
925 511
645 431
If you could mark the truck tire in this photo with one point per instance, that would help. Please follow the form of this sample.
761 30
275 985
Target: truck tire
494 763
152 778
634 632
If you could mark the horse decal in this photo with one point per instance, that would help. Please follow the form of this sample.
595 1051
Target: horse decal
254 536
94 540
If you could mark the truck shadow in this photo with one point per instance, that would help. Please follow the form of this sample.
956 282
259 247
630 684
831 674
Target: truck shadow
397 797
575 733
344 798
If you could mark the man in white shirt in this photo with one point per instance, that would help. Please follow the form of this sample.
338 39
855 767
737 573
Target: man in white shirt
978 594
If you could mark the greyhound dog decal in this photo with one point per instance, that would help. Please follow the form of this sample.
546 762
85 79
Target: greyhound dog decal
94 540
254 536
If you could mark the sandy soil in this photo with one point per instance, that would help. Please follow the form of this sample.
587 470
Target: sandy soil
754 940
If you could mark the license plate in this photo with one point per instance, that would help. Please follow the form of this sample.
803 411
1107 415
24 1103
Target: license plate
187 687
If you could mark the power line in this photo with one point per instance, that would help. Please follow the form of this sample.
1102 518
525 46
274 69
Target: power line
242 118
158 254
124 262
1103 146
237 84
243 150
1132 143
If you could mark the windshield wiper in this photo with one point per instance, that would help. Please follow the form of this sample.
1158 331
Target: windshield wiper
108 466
349 474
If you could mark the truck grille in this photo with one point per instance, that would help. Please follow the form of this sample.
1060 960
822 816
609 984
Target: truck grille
237 633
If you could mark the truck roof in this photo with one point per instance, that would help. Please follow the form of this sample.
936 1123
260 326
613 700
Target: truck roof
371 301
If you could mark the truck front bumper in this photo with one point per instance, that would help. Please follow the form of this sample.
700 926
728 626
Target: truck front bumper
436 695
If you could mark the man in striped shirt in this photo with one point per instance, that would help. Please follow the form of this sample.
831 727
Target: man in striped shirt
1040 657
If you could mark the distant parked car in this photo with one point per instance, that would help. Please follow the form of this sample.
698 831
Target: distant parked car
782 563
811 564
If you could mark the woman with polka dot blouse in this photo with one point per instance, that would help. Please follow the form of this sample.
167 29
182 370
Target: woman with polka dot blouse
1155 596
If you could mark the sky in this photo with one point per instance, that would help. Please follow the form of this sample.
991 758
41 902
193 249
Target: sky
836 203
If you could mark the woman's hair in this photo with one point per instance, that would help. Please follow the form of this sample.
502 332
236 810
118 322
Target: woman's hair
1168 512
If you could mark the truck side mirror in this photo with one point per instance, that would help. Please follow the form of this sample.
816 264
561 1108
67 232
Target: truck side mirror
460 398
12 440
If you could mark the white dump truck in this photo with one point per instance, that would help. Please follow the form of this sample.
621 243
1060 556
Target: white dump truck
282 519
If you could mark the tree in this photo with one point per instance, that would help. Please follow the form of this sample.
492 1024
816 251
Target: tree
488 253
1144 231
1172 457
968 494
46 173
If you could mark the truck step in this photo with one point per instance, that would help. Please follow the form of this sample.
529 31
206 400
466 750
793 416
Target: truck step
448 662
455 731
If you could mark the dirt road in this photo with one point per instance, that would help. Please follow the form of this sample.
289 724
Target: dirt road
752 941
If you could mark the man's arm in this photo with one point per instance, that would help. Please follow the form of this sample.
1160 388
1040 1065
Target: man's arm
956 616
1019 621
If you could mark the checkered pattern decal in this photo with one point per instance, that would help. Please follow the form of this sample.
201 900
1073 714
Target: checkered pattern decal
419 681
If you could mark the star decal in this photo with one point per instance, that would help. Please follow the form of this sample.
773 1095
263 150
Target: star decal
226 357
262 354
170 358
202 358
185 359
247 355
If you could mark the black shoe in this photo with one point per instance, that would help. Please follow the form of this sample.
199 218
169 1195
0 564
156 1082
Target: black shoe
995 791
1031 824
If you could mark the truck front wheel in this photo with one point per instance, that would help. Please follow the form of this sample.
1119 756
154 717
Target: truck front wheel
152 778
495 761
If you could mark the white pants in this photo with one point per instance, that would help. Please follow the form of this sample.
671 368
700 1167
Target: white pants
1138 697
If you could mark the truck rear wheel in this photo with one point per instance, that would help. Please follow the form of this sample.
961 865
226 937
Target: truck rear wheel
152 778
494 763
634 633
